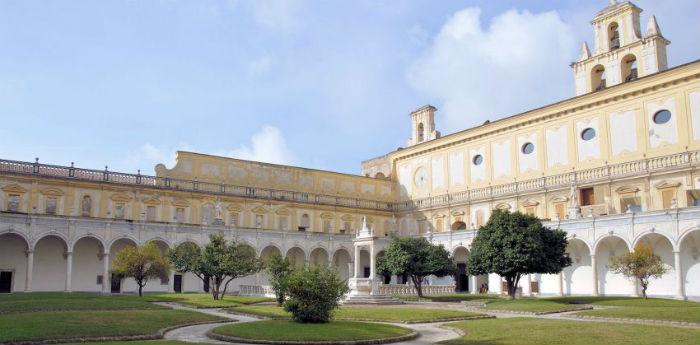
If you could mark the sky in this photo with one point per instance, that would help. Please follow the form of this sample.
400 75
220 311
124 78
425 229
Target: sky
319 84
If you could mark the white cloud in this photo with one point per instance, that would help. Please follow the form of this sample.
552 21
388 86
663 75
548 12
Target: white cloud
148 155
518 62
267 145
278 15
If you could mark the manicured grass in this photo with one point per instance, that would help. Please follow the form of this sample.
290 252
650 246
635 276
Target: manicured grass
685 314
458 297
294 331
135 342
528 305
51 301
84 323
387 314
624 301
531 331
203 300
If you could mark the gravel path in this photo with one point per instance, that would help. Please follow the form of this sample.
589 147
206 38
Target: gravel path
430 333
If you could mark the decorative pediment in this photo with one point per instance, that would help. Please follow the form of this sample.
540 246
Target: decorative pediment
121 197
503 206
419 216
152 200
14 188
51 191
327 215
530 203
181 203
283 211
234 208
456 213
560 198
347 218
627 189
259 210
438 216
667 184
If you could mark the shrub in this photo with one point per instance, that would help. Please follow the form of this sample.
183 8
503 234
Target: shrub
279 268
314 292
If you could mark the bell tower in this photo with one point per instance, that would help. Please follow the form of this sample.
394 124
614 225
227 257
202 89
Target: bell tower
621 53
423 125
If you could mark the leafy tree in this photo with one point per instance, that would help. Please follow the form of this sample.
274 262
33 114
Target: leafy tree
514 244
219 261
641 264
417 258
314 292
279 269
142 263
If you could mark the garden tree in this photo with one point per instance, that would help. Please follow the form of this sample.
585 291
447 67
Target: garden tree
279 269
514 244
313 293
141 263
219 261
641 264
417 258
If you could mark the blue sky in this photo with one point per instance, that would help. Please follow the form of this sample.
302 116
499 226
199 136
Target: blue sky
322 84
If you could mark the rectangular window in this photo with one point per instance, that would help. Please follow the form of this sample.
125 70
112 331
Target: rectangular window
119 210
151 213
234 219
667 198
164 281
180 214
560 210
346 228
13 203
259 221
530 210
327 228
50 206
630 204
587 196
283 223
100 279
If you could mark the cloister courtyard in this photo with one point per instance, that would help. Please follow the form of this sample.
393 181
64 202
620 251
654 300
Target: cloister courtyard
170 319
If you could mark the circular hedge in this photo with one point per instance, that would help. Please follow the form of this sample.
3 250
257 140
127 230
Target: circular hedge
290 332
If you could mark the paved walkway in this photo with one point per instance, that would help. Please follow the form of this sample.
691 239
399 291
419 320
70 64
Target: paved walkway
430 333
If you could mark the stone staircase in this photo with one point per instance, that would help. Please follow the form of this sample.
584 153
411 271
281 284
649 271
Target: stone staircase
373 300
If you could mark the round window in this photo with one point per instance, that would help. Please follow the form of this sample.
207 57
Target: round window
588 134
662 116
528 148
478 159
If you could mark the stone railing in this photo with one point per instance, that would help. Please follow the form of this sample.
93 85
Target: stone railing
401 289
607 172
257 290
105 176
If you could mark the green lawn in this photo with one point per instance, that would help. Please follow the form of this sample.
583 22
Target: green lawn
638 308
56 301
85 323
388 314
294 331
531 331
204 300
457 297
529 305
135 342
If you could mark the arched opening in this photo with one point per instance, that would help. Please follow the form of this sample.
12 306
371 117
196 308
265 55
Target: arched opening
661 245
460 257
577 277
88 267
459 225
159 284
297 256
50 268
420 133
629 68
613 36
690 262
610 283
364 264
319 257
386 278
598 78
379 175
13 262
268 252
118 283
341 262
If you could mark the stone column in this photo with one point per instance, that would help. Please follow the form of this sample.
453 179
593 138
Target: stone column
171 281
561 283
680 288
351 269
472 284
69 270
594 269
106 279
357 262
372 262
30 271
